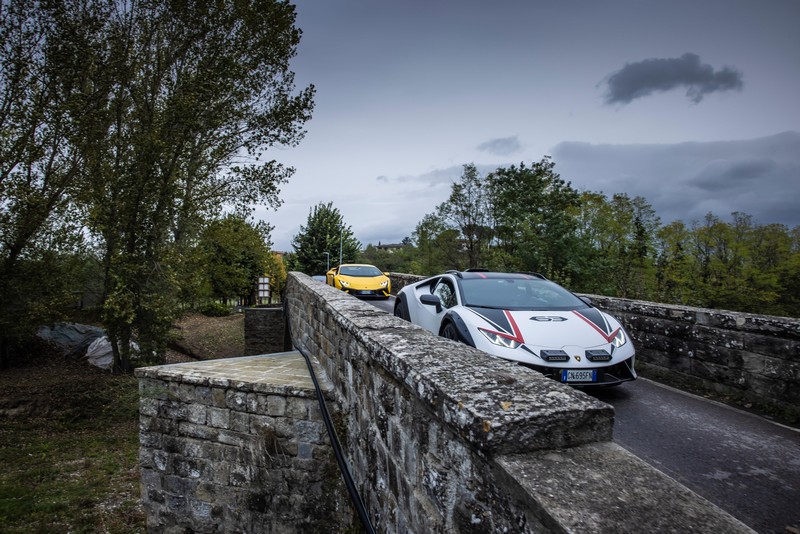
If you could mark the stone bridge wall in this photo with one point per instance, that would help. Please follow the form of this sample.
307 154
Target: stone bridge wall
442 438
756 357
222 452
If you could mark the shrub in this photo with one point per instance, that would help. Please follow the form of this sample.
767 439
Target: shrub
215 309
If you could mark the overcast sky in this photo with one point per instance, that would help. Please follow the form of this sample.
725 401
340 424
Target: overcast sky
691 104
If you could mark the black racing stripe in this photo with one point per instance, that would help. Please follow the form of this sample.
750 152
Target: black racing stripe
596 317
497 318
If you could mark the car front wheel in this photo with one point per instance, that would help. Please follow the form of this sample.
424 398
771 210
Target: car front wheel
449 331
401 309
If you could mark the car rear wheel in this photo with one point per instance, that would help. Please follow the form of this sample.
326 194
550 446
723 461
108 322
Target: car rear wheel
449 331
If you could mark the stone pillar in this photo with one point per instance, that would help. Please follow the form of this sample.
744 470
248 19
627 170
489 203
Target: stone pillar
237 445
265 330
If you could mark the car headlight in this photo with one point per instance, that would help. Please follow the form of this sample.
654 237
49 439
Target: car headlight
384 283
620 339
496 338
344 283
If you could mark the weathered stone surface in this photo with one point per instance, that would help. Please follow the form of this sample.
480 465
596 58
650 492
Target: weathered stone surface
603 488
752 356
264 330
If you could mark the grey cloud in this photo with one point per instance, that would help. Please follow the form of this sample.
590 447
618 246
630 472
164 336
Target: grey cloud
437 177
502 146
760 177
637 80
735 173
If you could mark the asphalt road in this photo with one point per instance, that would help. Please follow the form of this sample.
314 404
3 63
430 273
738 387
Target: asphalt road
746 465
386 305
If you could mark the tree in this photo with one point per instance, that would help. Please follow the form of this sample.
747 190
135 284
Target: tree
531 207
235 254
183 99
467 211
674 264
324 232
632 230
789 274
276 270
742 266
39 171
398 260
593 264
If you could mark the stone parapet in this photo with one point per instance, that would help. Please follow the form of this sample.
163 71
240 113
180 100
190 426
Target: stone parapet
756 357
442 438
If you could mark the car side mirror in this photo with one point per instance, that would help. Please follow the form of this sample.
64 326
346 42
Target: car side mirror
432 300
587 300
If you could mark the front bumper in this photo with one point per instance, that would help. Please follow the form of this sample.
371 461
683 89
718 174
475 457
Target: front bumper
606 376
379 293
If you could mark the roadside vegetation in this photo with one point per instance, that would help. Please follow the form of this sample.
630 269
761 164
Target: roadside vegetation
527 218
134 150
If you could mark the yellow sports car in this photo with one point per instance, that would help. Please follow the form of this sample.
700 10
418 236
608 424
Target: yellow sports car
360 280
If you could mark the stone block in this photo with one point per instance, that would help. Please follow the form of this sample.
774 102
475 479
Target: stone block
239 422
630 496
297 408
236 400
148 407
192 430
219 418
218 397
309 431
153 389
175 411
197 413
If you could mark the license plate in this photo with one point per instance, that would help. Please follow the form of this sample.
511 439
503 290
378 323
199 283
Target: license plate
579 375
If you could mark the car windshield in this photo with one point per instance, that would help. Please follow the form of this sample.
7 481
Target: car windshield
360 270
518 294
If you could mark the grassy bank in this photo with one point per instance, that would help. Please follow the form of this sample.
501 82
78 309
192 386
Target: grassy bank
68 449
69 438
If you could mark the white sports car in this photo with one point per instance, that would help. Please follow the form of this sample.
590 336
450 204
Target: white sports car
525 318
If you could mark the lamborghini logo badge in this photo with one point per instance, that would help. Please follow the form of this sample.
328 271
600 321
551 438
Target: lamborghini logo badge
578 358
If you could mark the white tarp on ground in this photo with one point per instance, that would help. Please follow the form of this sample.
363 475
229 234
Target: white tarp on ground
74 339
100 353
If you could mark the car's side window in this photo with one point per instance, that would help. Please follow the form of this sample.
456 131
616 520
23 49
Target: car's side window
446 293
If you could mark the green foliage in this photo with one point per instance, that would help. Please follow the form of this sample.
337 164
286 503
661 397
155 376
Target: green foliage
133 124
612 246
531 209
276 270
215 309
392 260
438 247
467 211
321 240
234 254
